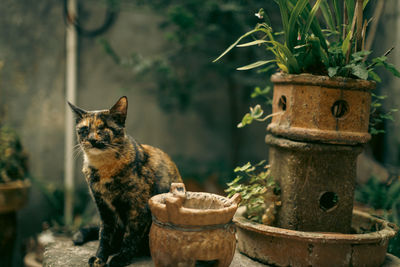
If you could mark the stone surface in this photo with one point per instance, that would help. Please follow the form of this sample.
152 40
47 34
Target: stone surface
64 253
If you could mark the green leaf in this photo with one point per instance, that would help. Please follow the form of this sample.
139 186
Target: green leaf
256 42
243 168
374 76
235 43
326 12
332 71
292 30
360 71
284 14
256 112
346 43
359 56
258 92
247 119
256 64
311 16
350 6
338 13
390 67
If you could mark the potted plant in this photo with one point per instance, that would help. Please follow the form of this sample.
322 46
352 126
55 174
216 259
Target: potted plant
14 189
321 107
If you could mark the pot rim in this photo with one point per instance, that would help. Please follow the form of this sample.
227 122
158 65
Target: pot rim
325 81
15 185
388 230
229 204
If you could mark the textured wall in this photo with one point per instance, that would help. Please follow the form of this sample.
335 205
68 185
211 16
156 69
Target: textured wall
32 96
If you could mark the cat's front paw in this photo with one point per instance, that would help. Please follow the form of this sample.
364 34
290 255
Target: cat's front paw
119 261
96 262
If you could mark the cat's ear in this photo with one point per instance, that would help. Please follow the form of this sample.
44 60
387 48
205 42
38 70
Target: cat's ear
119 110
79 113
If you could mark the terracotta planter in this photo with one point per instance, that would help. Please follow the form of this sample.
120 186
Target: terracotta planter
319 108
317 184
13 196
192 227
282 247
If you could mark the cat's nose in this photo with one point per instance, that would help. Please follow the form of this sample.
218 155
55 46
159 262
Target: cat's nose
95 143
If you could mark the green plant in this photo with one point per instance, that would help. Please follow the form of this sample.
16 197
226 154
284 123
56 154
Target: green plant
260 193
306 47
13 158
384 198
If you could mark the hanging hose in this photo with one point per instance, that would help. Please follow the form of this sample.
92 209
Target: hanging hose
110 17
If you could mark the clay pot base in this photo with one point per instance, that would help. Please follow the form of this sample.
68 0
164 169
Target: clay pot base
282 247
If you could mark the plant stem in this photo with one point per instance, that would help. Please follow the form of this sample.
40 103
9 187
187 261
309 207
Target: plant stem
359 15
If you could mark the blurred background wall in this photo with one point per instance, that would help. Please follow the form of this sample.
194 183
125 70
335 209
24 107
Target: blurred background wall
158 53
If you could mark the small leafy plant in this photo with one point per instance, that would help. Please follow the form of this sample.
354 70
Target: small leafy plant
13 158
384 198
338 50
260 193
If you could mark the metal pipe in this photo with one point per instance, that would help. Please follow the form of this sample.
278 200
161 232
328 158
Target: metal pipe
70 84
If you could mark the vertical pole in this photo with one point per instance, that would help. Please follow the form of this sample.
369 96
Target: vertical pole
71 83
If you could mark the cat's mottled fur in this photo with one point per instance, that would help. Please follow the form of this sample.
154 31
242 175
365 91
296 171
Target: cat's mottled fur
122 176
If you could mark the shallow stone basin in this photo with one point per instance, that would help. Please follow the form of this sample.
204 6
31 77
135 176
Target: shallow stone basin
282 247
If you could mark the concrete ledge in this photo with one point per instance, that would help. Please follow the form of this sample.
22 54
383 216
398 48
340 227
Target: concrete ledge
62 252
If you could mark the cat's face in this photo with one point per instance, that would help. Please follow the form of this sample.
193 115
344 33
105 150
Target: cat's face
102 130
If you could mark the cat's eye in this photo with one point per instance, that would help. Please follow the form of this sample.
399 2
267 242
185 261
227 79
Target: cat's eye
83 131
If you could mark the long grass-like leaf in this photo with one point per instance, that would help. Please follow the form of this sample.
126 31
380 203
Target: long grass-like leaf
350 5
256 42
346 43
256 64
292 30
311 16
315 27
338 14
291 61
284 14
365 3
329 19
235 43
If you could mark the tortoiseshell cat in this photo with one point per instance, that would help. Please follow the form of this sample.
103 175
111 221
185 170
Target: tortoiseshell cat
122 176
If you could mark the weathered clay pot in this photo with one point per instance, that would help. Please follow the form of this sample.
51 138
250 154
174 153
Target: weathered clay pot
282 247
319 108
317 184
13 196
192 227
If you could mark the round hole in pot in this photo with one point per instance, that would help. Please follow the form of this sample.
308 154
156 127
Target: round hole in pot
339 109
282 103
328 201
